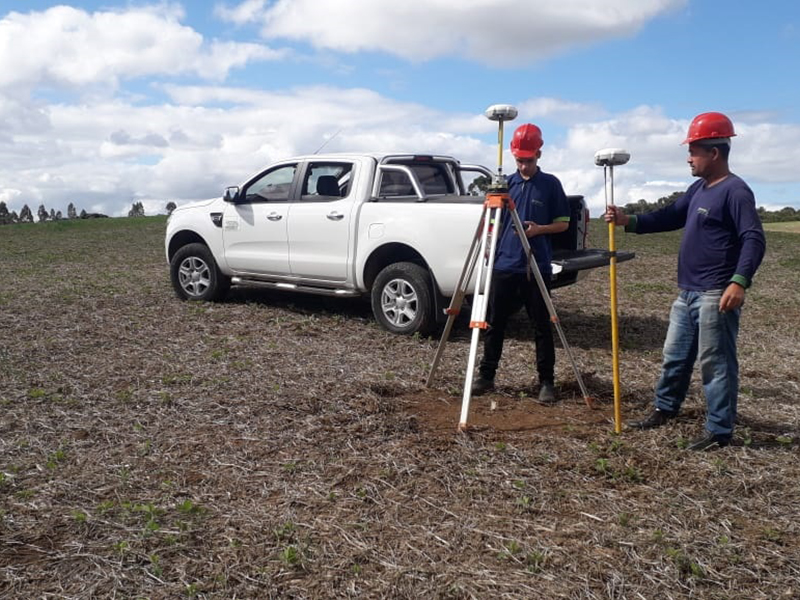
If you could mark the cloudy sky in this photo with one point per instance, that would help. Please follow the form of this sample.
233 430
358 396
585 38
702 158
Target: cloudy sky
106 103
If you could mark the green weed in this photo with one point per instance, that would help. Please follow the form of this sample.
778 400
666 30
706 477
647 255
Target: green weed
188 507
79 516
535 561
510 550
285 531
54 458
524 502
155 566
121 547
291 556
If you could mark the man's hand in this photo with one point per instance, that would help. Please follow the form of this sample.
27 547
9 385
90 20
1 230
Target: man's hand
531 229
732 297
615 215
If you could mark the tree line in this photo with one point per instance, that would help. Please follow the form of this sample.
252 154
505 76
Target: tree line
26 216
480 186
642 207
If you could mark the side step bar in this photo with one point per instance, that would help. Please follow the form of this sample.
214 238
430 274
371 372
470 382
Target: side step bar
293 287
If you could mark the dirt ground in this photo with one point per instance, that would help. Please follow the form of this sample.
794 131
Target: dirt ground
282 446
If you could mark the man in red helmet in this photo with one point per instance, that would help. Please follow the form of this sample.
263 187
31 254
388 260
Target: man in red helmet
543 209
721 249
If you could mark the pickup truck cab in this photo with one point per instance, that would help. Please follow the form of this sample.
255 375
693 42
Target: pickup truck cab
396 227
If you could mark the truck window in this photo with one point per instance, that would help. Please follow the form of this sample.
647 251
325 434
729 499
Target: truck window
395 183
325 182
273 186
434 179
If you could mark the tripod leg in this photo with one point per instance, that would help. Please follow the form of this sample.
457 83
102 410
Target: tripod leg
452 312
458 298
483 284
465 399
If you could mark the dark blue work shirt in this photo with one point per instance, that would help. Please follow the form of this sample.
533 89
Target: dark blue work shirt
540 199
723 241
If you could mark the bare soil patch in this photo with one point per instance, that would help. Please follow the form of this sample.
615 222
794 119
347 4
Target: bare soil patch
280 446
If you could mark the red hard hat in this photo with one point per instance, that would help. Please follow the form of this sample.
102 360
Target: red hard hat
709 125
527 141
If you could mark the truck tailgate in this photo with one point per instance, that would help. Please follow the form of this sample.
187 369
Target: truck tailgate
590 258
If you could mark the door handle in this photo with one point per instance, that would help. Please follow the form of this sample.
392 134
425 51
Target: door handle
273 216
334 216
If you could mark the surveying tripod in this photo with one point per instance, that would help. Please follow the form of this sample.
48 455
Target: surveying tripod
482 254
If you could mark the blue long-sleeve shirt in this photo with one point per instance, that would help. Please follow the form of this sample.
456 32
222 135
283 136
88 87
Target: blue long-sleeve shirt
540 199
723 241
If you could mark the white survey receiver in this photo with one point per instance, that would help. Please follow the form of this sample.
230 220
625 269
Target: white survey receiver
611 157
501 112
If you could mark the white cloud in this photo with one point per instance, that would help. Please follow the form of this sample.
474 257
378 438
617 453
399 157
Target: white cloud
115 147
246 12
489 31
558 110
67 47
108 154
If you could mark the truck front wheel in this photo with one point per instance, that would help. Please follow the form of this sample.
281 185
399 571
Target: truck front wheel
402 299
195 274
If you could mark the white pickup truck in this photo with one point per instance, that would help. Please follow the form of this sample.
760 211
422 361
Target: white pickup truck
395 226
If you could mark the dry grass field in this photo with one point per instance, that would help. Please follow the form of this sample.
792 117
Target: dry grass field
284 446
787 226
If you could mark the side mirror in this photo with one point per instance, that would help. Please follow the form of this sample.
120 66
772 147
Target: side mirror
231 194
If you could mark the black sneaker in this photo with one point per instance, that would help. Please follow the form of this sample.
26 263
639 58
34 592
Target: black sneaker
657 418
709 441
481 385
547 393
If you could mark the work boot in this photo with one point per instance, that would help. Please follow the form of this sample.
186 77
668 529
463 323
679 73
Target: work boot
547 393
657 418
481 385
709 441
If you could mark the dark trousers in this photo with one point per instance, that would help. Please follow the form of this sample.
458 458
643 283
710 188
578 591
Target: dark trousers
508 291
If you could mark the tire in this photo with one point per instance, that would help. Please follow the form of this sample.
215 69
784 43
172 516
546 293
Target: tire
196 276
402 299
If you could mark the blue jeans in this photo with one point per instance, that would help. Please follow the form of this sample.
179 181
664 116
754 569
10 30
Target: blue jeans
698 330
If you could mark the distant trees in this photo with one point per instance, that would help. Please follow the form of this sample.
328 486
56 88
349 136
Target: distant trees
479 185
643 206
25 215
5 216
767 216
137 210
787 213
43 215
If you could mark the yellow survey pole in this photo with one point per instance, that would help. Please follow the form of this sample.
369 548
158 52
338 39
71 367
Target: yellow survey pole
608 158
612 248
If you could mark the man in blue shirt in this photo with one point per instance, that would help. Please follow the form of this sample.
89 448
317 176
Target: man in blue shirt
543 209
722 247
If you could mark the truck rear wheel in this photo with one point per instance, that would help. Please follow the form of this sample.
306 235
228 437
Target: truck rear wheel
195 274
402 299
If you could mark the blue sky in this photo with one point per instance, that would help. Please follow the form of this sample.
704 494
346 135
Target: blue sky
107 103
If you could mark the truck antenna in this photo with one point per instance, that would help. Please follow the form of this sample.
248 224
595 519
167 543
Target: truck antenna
325 143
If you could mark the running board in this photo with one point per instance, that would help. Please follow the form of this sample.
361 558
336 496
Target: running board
293 287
